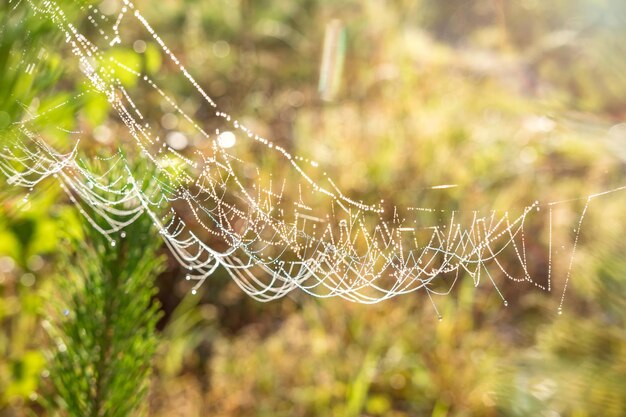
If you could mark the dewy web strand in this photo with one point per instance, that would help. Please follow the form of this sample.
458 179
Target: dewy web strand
322 242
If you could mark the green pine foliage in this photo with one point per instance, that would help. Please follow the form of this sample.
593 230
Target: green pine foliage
105 335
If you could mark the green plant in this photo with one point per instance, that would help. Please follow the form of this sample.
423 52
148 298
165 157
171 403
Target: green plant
105 334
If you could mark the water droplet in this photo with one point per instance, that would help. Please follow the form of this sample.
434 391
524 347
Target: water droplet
226 139
187 277
66 312
123 235
113 243
506 303
439 318
194 292
177 140
560 311
140 46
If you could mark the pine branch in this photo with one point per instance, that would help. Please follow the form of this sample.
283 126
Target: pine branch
106 335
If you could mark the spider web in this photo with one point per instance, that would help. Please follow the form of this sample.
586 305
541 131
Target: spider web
216 204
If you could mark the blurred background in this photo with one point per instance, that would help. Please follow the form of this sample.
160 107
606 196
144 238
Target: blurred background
512 101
